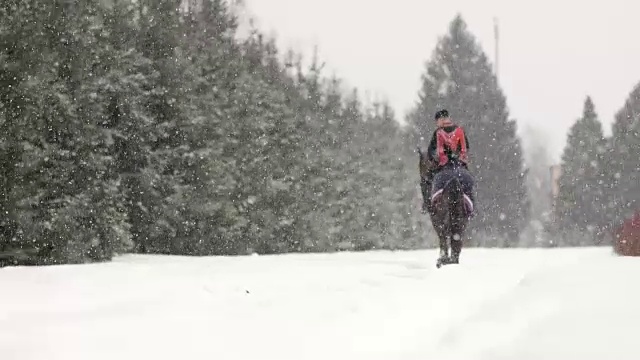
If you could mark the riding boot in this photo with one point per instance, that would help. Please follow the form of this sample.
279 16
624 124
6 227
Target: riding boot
425 187
473 202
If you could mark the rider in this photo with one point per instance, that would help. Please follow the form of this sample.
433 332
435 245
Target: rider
448 152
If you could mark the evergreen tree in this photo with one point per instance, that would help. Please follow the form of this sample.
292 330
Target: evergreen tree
388 181
538 162
212 220
18 54
250 138
623 163
268 140
67 208
158 226
321 110
459 78
538 180
346 149
580 203
124 86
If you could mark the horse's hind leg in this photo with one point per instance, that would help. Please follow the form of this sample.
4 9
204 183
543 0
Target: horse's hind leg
457 239
442 238
456 248
443 259
444 247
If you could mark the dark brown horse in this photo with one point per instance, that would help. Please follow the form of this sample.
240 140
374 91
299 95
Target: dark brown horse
448 214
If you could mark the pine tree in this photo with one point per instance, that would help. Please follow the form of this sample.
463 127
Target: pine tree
321 107
460 79
124 86
157 225
538 180
388 181
581 186
213 222
68 208
250 138
538 163
346 149
623 162
17 56
268 144
540 184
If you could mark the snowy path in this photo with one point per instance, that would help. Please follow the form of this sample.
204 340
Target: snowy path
499 304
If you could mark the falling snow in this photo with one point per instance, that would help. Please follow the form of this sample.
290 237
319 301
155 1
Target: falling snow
139 128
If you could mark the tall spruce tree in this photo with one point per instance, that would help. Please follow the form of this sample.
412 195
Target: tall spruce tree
623 162
158 226
21 53
581 203
539 189
388 180
321 110
269 148
122 89
68 207
212 221
540 184
459 77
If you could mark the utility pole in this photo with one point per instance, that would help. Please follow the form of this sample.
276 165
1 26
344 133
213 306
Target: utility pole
497 38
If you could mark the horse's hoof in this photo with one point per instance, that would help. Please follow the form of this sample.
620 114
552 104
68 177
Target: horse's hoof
442 261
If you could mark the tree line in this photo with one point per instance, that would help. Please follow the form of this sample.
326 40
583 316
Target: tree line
598 186
153 127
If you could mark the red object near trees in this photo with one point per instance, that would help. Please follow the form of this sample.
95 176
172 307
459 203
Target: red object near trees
627 237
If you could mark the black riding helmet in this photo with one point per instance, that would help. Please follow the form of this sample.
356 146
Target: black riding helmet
441 114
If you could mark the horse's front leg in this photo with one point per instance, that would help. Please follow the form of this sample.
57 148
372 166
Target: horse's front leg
442 239
444 258
457 240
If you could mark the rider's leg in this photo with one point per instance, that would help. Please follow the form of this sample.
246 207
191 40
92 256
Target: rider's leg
467 183
425 187
439 180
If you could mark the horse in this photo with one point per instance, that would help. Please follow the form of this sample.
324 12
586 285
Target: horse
448 212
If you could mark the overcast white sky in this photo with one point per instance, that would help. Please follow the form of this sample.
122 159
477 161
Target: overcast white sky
552 53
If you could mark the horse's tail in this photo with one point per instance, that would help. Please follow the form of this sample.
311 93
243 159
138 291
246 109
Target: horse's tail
454 188
453 191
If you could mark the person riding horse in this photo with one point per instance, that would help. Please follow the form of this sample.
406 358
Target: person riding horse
447 154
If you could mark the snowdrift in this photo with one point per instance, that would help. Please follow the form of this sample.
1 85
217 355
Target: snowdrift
498 304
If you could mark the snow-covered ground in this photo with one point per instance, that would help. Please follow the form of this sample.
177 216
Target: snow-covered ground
499 304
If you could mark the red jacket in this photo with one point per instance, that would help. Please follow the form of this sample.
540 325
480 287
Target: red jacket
451 142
